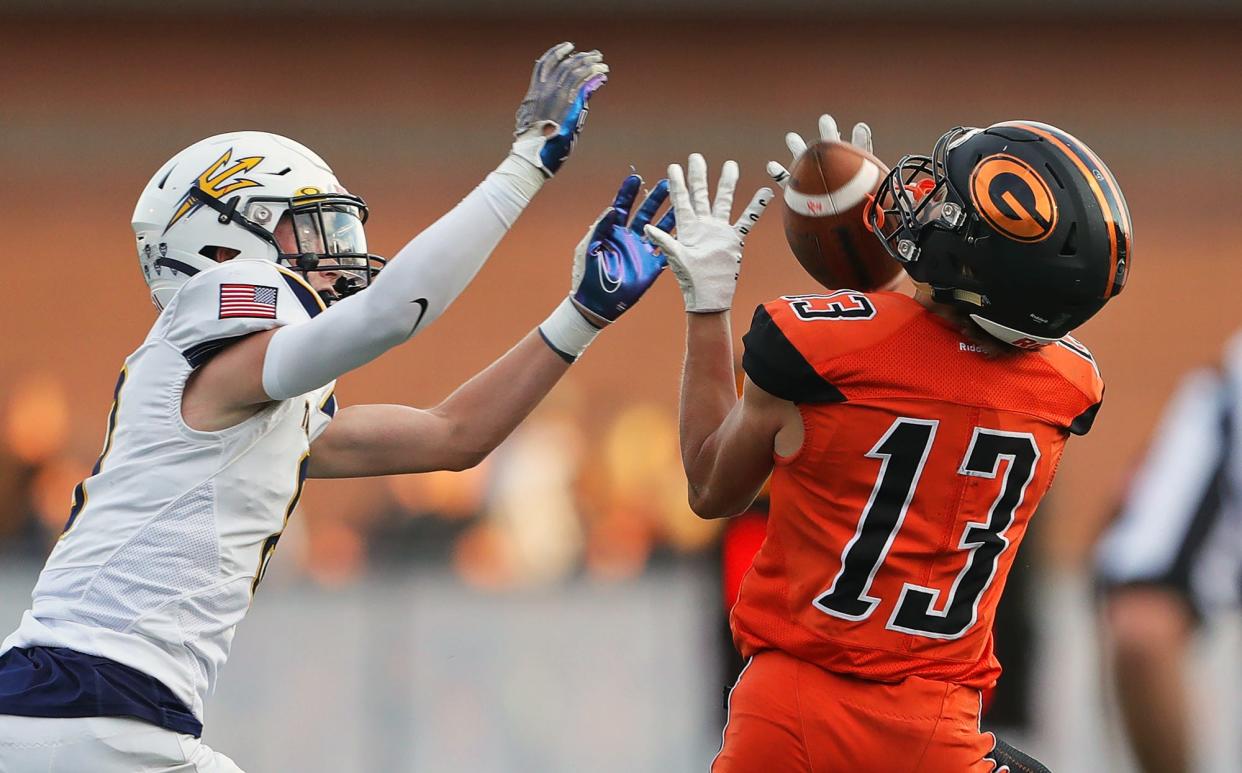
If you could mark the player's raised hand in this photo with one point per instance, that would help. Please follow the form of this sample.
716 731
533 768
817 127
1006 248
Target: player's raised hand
555 107
706 254
615 263
860 138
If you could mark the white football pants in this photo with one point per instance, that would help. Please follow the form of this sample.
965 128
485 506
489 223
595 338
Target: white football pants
102 745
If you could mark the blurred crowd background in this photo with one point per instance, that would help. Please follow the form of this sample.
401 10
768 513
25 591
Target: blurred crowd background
583 511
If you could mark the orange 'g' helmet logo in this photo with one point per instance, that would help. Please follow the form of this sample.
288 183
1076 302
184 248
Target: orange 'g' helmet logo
1013 198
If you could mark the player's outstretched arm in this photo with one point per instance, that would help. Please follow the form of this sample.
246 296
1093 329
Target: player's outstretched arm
726 442
433 269
614 264
726 445
426 276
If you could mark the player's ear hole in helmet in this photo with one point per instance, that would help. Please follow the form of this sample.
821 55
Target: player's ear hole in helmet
1020 226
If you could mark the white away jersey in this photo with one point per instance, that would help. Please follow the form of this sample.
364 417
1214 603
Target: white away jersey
168 537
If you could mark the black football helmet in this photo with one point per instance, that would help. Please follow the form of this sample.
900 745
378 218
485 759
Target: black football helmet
1020 225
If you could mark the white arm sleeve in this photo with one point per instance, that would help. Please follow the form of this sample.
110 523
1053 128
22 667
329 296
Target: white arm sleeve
412 291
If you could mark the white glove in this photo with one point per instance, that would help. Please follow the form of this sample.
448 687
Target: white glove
861 139
707 253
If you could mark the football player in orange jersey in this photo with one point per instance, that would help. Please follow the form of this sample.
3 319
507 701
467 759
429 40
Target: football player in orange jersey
908 439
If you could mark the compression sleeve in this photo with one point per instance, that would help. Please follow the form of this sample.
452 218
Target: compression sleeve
412 291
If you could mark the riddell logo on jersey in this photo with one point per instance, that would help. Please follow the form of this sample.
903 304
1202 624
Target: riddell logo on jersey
966 347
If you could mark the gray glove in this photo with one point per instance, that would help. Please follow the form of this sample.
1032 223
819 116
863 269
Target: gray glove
560 87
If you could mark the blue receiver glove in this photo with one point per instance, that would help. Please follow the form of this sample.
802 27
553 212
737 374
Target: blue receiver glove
615 263
555 107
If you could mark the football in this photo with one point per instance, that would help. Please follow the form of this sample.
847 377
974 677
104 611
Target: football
824 200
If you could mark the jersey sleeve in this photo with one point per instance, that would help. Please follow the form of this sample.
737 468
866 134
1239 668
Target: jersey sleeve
325 400
1078 365
235 299
778 367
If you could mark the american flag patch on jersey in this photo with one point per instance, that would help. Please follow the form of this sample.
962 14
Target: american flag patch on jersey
256 301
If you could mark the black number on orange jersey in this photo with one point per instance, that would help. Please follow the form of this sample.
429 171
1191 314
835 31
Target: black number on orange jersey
902 452
916 610
845 304
903 457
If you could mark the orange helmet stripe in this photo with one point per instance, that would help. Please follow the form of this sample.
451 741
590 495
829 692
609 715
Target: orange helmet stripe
1120 210
1119 201
1111 202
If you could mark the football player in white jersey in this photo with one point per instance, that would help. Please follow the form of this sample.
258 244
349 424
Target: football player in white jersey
256 257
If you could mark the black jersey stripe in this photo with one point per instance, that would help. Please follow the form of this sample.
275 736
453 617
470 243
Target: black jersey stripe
777 367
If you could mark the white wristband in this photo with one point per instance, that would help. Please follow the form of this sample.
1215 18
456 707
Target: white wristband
567 332
523 174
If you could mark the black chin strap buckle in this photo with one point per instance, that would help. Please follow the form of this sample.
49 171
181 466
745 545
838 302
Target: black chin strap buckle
347 285
343 287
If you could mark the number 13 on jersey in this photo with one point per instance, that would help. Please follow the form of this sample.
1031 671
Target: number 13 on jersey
903 452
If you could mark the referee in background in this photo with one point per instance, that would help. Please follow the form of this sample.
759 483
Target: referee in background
1172 557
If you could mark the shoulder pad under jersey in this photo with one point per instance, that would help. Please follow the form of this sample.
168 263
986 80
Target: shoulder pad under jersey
1078 366
236 298
793 339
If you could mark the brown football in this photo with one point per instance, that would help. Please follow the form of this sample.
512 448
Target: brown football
824 202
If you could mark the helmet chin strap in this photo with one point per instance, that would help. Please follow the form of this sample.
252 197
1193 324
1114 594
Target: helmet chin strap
343 287
345 284
967 296
956 296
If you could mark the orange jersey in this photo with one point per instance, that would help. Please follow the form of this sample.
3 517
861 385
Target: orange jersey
892 530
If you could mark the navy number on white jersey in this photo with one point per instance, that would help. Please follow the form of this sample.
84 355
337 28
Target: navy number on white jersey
79 491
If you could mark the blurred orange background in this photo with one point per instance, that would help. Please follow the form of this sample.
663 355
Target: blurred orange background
412 114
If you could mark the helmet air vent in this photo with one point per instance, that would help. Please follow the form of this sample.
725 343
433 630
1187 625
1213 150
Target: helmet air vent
164 179
1053 174
1070 247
